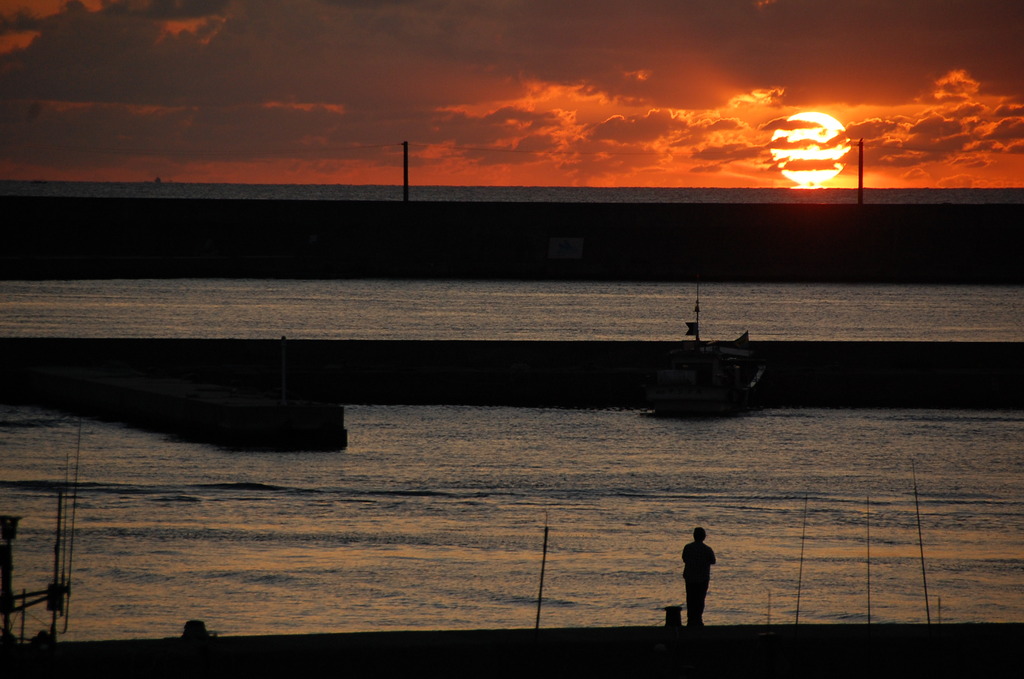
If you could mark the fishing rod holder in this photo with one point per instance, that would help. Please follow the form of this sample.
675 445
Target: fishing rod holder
9 527
54 596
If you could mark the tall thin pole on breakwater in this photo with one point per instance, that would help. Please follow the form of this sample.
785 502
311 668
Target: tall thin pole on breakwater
860 172
405 171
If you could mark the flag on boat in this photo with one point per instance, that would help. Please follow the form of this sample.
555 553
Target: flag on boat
691 328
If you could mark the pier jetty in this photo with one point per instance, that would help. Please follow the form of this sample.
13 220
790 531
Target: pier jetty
469 372
222 414
80 238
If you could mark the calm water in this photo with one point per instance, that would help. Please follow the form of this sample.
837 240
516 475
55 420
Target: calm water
433 518
545 310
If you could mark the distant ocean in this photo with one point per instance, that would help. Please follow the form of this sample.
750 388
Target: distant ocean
167 189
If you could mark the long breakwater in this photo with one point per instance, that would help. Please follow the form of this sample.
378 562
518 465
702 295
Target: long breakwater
541 373
169 238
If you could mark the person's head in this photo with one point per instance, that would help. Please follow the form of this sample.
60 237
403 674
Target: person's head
699 534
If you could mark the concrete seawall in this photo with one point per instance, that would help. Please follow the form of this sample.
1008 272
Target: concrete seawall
559 374
154 238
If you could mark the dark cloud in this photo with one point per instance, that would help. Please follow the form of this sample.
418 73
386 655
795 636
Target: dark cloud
783 143
935 127
246 75
689 52
728 152
20 21
654 125
1005 110
873 128
1007 129
166 9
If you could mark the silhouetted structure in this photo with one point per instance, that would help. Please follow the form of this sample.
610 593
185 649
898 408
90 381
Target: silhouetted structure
535 373
102 238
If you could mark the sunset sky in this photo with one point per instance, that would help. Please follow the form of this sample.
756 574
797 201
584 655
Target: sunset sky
671 93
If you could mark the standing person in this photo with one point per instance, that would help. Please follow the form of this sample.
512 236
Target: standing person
697 561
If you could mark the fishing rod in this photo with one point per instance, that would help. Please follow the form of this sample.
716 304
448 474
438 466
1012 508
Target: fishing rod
920 543
867 520
543 563
69 554
800 573
59 590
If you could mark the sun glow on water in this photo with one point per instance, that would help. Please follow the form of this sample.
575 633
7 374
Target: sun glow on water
433 519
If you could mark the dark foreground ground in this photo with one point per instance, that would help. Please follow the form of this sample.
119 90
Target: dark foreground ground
836 651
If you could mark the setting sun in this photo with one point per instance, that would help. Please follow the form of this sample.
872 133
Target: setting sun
809 148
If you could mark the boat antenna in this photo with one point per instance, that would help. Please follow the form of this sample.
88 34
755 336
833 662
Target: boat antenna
696 310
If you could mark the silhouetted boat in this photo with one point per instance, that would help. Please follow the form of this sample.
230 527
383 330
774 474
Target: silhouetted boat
706 378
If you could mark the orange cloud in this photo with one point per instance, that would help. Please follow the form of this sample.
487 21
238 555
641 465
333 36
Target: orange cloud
956 85
523 91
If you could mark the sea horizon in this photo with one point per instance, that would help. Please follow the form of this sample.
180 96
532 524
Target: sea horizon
442 193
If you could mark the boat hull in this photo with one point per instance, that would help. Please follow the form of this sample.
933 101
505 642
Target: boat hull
680 401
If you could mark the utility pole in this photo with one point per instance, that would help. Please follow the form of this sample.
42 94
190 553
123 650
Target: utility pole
860 173
405 171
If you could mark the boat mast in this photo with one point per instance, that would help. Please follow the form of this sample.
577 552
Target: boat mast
693 327
696 311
